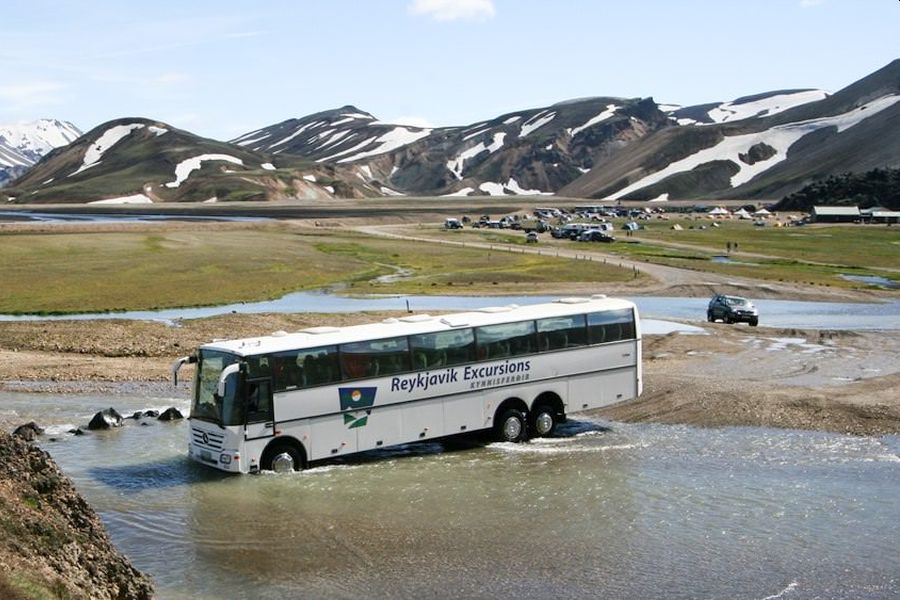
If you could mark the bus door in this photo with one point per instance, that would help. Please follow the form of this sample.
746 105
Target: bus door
260 418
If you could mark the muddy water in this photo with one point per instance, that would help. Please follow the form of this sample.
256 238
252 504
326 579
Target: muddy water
604 510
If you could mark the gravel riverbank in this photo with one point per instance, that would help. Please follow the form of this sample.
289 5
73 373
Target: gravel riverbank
734 375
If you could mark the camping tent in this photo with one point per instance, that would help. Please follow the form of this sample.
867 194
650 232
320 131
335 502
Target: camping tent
718 212
743 214
762 213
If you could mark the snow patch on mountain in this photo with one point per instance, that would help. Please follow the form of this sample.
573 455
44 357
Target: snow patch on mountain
463 192
780 137
492 188
475 134
389 192
764 107
457 165
393 139
606 114
513 186
107 140
12 158
133 199
536 122
186 167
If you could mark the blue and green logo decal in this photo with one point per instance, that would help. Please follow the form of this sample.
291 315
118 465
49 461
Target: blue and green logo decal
358 398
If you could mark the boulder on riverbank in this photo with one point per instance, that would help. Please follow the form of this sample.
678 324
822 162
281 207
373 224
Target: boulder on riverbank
28 431
53 544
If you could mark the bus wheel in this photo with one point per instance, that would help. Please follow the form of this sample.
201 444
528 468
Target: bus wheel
283 458
543 420
510 427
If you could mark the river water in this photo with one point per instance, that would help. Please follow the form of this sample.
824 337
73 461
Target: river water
773 313
604 510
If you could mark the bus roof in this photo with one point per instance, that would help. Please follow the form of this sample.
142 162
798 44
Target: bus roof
414 324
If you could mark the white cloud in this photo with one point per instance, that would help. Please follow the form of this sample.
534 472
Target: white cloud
452 10
810 3
411 120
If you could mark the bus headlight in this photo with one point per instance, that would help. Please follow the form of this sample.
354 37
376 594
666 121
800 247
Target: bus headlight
225 459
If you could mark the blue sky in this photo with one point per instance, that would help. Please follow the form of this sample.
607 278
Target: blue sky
222 68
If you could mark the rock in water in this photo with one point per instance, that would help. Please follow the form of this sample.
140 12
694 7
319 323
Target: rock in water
170 414
105 419
28 431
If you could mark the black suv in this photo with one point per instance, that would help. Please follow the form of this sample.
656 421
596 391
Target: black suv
732 309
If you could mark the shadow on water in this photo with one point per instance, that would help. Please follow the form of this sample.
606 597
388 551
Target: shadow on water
161 474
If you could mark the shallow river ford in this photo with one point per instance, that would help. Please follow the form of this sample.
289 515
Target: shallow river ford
605 510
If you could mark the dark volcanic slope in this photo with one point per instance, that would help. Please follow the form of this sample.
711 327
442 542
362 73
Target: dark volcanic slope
856 129
532 151
143 160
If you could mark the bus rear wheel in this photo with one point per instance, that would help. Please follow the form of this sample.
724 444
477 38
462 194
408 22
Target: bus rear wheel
282 458
511 426
543 420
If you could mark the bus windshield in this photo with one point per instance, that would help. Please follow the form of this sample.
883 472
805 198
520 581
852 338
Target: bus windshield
206 406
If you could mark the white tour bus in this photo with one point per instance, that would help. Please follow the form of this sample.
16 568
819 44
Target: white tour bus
282 401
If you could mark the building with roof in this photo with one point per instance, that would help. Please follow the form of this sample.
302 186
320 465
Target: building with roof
835 214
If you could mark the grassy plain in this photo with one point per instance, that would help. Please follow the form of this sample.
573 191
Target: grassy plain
816 255
144 267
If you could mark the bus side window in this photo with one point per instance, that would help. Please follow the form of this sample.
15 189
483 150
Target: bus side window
508 339
611 326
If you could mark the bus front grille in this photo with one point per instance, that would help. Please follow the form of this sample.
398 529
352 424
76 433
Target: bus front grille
207 439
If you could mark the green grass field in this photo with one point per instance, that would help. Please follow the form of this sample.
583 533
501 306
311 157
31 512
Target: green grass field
814 255
160 267
861 246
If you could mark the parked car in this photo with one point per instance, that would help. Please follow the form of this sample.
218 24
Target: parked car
452 224
531 237
595 235
732 309
570 231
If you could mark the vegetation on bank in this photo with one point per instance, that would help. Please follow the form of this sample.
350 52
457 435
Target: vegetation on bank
80 270
878 187
817 255
810 254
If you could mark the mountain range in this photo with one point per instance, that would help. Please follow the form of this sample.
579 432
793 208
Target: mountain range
23 145
755 147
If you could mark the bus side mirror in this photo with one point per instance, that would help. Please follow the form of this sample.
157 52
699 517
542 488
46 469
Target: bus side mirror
229 370
177 365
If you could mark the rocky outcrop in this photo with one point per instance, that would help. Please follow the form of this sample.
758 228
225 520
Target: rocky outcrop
170 414
52 543
106 419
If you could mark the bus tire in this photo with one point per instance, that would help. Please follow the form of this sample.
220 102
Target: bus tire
511 426
754 322
282 457
543 420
